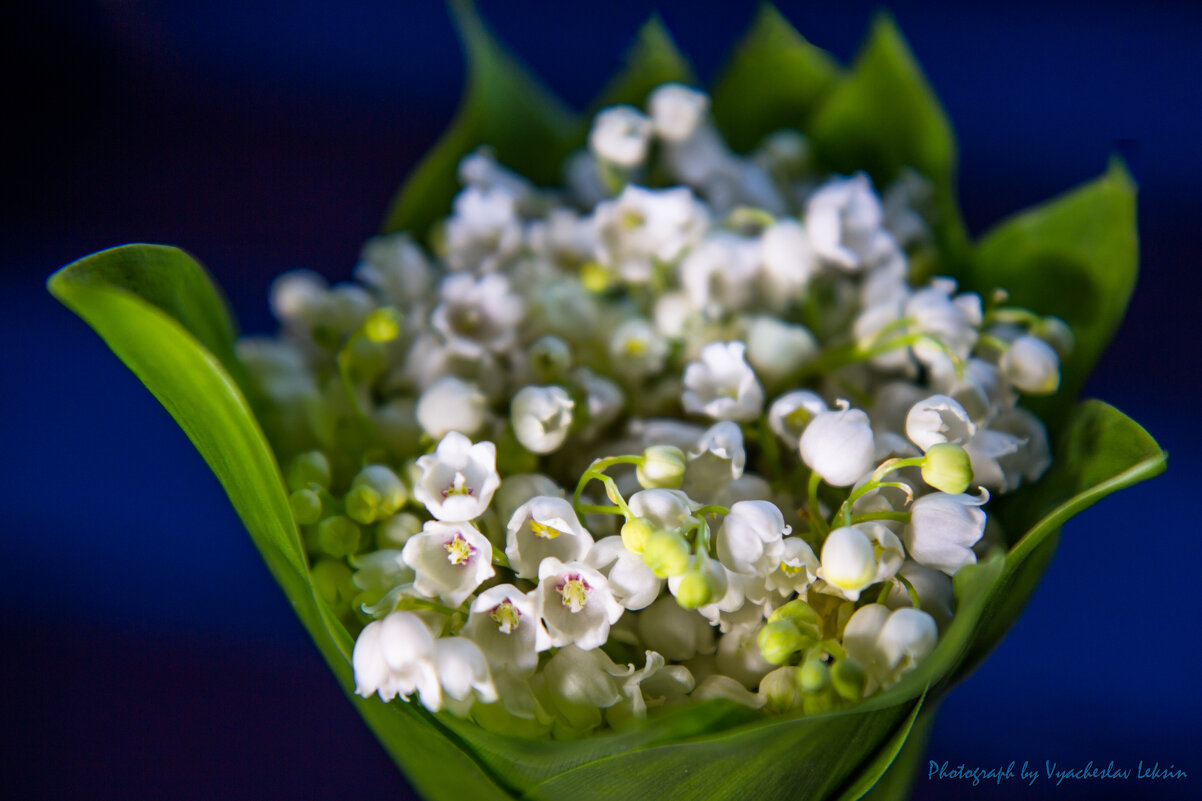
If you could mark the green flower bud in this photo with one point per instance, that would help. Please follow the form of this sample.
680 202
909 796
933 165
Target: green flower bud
382 325
662 467
947 468
779 640
696 589
332 579
363 504
799 613
392 493
366 358
848 678
666 553
309 468
779 689
306 506
814 675
338 536
635 532
393 533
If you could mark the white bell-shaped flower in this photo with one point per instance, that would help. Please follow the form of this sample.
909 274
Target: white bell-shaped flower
576 603
637 348
838 445
451 404
449 560
578 682
717 459
630 580
722 385
1033 456
457 481
516 489
935 590
889 643
544 526
463 673
484 230
775 348
739 655
506 624
395 267
797 569
1032 366
943 528
951 320
477 315
677 633
641 227
621 135
666 509
395 657
719 273
938 419
789 414
788 259
677 111
855 557
541 417
655 684
844 220
751 539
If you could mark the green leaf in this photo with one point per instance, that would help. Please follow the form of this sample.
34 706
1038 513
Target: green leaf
1100 451
881 761
884 117
155 307
652 59
1076 257
504 107
773 80
897 783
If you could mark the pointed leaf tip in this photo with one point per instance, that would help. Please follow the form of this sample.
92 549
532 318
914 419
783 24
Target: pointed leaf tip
747 106
652 59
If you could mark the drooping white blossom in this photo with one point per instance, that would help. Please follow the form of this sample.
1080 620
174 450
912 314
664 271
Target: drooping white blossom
721 384
943 528
395 657
541 527
577 604
449 560
457 481
541 417
838 445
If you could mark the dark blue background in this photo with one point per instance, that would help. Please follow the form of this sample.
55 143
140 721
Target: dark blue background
146 651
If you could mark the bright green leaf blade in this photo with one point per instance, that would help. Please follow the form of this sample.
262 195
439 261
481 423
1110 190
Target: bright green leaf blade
897 783
884 117
653 59
504 107
1100 451
773 80
880 761
153 305
1076 257
807 757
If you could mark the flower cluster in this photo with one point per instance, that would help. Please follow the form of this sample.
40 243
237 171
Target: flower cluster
691 426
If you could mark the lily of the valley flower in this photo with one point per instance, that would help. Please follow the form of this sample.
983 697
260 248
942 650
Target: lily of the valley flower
621 135
395 657
889 643
855 557
577 604
632 583
1031 365
457 481
677 111
839 446
542 527
451 404
505 623
541 417
751 539
450 560
722 385
943 528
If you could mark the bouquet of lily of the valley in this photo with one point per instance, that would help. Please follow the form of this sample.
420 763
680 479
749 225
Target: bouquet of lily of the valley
689 450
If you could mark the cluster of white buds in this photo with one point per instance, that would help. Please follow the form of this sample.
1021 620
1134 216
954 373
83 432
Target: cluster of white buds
682 429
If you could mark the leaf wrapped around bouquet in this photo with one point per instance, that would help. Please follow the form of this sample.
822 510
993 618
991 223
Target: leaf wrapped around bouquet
659 453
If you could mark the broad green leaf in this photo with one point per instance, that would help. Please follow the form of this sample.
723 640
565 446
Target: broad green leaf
898 781
505 108
1076 257
773 80
1100 451
882 760
884 117
155 307
653 59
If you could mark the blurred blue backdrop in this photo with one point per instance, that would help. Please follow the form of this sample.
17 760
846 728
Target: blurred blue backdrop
147 652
